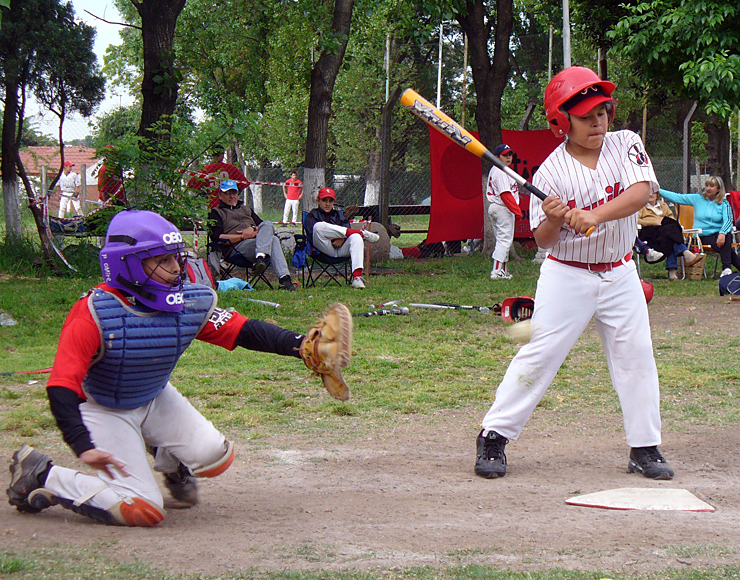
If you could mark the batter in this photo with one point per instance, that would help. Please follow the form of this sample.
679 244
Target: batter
600 179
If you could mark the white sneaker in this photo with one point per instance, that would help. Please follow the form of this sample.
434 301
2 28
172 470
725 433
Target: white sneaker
358 282
501 275
726 272
653 256
369 236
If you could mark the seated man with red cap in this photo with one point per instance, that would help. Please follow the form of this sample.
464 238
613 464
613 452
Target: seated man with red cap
331 233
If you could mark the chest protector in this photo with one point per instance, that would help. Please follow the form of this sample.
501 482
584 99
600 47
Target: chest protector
140 347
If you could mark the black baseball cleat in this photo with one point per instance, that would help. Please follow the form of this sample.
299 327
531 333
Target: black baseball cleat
260 265
649 462
182 485
28 464
490 460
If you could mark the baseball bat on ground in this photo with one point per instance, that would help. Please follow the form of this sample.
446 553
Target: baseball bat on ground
265 302
402 310
464 307
423 109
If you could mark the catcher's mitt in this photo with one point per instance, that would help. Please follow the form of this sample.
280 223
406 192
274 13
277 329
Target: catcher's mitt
327 349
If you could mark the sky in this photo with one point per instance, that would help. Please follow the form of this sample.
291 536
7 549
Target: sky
76 127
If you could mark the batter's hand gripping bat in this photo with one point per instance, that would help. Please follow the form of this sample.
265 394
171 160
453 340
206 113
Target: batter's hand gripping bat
423 109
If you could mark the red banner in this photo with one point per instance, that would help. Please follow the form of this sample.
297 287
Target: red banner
457 210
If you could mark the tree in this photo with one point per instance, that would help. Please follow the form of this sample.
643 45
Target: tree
30 34
333 44
161 79
694 48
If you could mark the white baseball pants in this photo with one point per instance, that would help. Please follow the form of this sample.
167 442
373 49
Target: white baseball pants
169 423
324 233
566 300
291 205
503 228
64 202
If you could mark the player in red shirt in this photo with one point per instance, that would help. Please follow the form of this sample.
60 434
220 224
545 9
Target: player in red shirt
210 177
110 392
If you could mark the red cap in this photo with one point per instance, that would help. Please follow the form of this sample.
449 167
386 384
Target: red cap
325 192
68 164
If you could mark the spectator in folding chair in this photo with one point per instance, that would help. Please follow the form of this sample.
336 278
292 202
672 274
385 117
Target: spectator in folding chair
330 232
713 215
239 226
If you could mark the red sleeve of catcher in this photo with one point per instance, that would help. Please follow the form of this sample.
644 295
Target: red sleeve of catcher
222 328
511 203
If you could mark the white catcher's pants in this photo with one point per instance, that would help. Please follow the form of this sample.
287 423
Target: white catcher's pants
566 300
323 233
503 228
169 423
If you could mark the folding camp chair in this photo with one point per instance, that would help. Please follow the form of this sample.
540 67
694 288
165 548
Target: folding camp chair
318 264
694 241
231 260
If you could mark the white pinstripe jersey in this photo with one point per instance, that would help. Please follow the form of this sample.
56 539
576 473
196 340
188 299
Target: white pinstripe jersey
498 183
622 163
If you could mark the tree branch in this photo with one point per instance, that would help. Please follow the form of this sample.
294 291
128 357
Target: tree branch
116 23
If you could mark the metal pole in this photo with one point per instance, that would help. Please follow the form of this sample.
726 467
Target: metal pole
566 34
549 58
387 65
465 79
687 147
439 68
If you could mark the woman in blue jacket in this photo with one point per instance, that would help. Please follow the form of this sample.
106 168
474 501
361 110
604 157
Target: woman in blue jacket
713 215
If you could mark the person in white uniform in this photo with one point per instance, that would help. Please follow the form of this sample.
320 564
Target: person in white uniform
68 187
503 193
595 179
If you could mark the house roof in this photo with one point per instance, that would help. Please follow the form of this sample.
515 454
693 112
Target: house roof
34 158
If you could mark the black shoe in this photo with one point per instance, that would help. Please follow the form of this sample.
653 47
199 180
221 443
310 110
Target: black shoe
260 265
287 284
28 464
182 485
490 460
649 462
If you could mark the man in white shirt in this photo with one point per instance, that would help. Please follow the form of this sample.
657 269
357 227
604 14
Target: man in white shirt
68 187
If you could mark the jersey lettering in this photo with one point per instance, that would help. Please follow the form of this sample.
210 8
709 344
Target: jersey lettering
219 317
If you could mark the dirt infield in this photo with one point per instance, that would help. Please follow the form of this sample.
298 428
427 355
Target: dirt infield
405 495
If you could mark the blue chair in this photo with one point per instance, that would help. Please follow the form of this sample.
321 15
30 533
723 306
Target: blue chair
318 264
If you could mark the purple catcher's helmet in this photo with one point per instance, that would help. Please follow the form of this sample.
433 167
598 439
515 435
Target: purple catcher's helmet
132 236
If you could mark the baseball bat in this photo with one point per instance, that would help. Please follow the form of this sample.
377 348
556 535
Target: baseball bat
464 307
402 310
265 302
391 303
430 114
431 306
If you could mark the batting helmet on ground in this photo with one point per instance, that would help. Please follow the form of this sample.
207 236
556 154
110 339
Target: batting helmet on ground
574 86
517 309
648 289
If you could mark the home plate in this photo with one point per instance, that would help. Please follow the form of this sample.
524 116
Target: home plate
637 498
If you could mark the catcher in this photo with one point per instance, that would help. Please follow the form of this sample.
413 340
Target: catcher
109 389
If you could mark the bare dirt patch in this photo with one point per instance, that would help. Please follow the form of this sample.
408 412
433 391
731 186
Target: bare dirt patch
406 495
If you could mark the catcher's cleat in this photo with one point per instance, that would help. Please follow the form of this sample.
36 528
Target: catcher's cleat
327 349
28 464
649 462
182 485
41 498
490 460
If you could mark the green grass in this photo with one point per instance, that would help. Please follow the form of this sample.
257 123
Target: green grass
424 364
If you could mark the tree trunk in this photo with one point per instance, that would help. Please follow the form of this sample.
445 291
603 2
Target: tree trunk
323 77
718 149
372 179
161 80
489 77
13 229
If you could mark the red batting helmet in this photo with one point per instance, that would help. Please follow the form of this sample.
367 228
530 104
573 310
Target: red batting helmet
517 309
572 82
648 289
